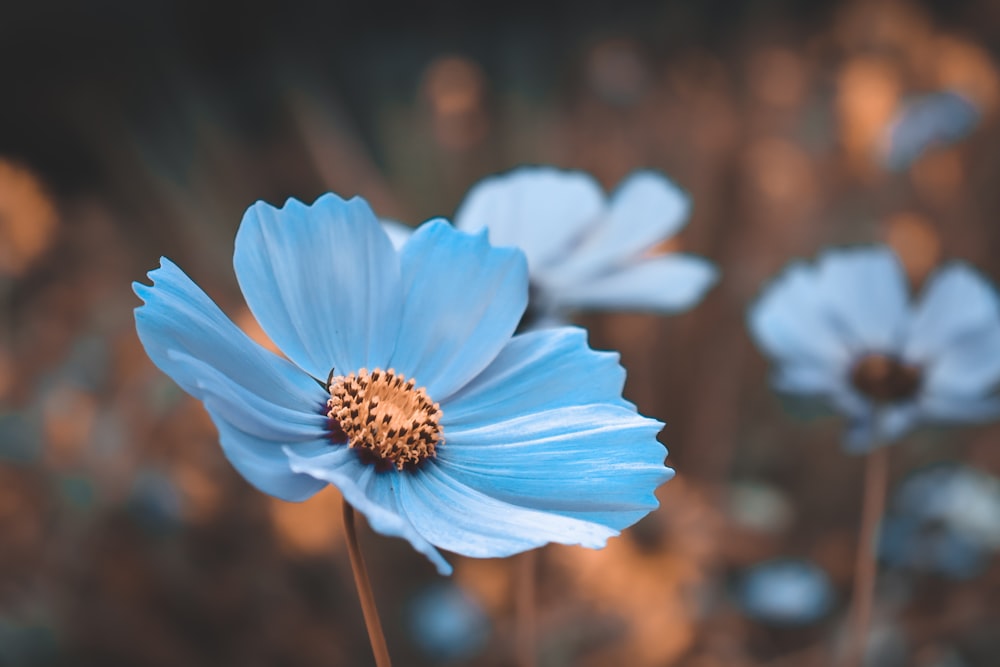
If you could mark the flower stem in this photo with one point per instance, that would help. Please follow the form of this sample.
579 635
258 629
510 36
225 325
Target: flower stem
876 478
375 635
525 640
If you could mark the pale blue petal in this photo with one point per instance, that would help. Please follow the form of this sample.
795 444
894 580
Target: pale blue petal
251 413
322 280
646 209
544 211
957 301
599 462
463 302
455 517
866 296
265 464
940 118
374 494
969 366
538 371
878 428
669 283
790 323
180 318
959 408
398 233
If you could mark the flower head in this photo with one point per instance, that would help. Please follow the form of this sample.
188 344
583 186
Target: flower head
404 387
925 122
846 330
786 591
586 250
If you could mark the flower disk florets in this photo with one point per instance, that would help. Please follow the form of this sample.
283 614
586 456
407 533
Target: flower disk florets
387 416
885 378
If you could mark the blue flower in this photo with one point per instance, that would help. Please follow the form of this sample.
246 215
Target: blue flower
786 592
846 330
584 249
944 519
404 387
937 119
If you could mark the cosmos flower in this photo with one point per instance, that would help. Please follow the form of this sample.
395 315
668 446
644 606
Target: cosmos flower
846 330
586 250
936 119
403 386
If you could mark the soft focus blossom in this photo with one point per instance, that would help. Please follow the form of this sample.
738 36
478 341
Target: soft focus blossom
944 519
446 623
403 386
786 592
845 329
587 250
937 119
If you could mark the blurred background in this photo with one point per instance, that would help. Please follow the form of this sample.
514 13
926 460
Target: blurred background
134 130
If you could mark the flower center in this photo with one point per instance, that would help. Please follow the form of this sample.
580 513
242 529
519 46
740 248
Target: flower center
885 379
386 416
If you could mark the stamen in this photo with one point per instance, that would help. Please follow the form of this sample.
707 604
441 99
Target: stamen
386 416
885 379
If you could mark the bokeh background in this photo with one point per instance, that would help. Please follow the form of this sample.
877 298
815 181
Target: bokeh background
134 130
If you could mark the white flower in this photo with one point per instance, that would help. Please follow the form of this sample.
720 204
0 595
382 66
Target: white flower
845 329
585 249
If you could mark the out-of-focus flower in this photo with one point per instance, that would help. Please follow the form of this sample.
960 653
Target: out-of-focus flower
846 330
447 624
586 250
786 592
506 444
945 519
937 119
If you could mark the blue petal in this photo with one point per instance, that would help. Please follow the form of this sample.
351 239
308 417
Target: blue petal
398 233
959 408
375 494
178 316
937 119
866 296
543 211
323 281
956 302
537 371
600 463
968 367
881 427
463 303
645 209
458 518
245 387
669 283
264 462
790 323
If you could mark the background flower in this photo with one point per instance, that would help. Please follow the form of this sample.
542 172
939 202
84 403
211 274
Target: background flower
504 445
586 250
845 329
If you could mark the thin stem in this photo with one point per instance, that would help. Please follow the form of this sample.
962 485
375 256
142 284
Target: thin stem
526 641
876 478
375 635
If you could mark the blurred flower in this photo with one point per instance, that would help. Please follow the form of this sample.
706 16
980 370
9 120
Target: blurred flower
936 119
786 592
845 330
510 443
446 623
587 250
945 519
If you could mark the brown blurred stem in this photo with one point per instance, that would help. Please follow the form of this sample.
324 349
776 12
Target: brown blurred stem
876 477
375 635
526 572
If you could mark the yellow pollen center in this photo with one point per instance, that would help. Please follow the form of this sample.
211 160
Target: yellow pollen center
387 415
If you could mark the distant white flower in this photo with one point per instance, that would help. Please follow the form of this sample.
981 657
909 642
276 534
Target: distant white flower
786 592
585 249
936 119
944 519
845 329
